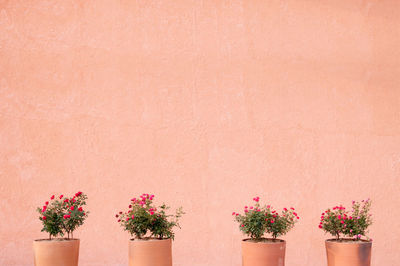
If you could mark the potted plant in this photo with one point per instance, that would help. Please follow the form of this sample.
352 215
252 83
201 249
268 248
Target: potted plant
152 231
60 218
348 227
258 220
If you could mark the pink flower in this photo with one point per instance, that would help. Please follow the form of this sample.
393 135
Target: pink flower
292 208
233 213
351 230
246 210
44 208
285 209
245 207
320 226
272 221
151 213
251 207
61 196
237 214
133 217
242 225
342 222
127 219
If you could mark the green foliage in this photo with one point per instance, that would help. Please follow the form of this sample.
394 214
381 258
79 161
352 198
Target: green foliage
64 215
145 220
342 223
259 220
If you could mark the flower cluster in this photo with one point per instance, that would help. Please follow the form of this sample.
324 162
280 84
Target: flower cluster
143 219
62 216
258 220
354 224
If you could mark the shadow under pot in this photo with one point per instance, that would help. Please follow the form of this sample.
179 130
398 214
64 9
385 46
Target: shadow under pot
347 252
266 252
56 252
150 252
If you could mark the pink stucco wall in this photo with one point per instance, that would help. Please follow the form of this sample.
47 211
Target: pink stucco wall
205 104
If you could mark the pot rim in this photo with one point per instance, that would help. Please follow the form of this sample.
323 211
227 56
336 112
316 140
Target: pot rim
278 241
358 242
149 239
57 240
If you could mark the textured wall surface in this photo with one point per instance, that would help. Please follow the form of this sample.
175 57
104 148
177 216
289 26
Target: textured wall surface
205 104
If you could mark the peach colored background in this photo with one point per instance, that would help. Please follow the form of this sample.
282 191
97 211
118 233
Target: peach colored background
205 104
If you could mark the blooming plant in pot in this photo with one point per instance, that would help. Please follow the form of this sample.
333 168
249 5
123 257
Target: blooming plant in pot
152 231
255 222
60 217
348 248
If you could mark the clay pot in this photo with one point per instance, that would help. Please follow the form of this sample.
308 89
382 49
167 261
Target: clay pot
265 253
56 252
150 252
348 253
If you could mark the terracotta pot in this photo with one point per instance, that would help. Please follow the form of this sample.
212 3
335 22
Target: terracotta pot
151 252
348 253
56 252
265 253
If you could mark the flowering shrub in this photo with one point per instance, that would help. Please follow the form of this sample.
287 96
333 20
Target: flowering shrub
258 220
62 216
353 224
143 219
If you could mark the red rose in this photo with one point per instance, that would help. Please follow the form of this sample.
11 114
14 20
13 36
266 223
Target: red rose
47 203
72 208
67 216
80 209
52 197
61 196
44 217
